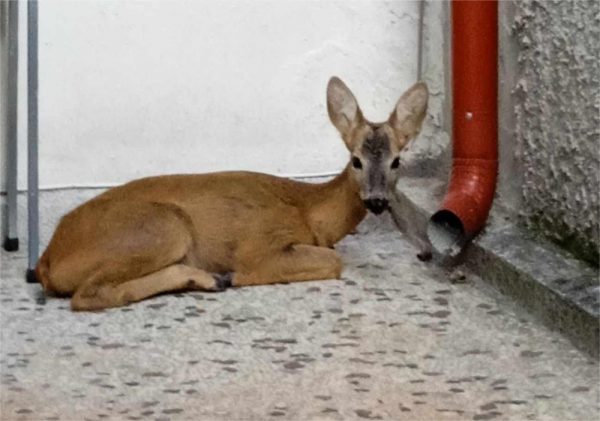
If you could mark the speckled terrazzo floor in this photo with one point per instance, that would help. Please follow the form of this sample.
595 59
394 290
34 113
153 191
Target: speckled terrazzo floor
394 339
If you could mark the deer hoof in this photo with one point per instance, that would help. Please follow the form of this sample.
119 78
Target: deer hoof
223 281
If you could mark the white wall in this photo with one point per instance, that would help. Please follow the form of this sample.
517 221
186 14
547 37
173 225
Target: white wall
135 88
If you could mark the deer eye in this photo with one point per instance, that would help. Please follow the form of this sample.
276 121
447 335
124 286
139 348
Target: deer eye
356 163
395 163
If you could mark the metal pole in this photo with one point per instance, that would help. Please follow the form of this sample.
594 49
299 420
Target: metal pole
420 40
32 138
11 242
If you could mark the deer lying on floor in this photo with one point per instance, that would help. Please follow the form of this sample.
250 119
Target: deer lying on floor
212 231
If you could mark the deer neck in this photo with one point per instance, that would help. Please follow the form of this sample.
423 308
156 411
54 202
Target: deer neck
335 209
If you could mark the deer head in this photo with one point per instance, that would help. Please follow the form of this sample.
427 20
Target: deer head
375 147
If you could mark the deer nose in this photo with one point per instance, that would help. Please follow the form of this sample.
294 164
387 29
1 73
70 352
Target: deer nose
377 205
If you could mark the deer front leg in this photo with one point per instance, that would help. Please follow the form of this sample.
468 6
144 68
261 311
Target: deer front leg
298 263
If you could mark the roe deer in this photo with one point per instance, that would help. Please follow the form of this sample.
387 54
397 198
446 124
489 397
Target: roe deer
212 231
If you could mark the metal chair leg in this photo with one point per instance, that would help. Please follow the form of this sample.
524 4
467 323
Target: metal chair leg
11 241
32 139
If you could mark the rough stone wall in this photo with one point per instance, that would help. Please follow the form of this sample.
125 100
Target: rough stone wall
557 120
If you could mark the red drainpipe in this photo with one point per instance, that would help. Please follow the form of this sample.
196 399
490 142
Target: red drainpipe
467 203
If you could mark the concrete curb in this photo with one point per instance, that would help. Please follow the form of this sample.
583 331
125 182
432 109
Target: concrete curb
561 291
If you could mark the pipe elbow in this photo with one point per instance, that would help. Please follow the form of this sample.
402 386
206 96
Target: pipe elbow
471 192
466 206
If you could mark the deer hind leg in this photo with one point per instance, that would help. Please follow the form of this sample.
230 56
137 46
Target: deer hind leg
127 241
299 263
172 278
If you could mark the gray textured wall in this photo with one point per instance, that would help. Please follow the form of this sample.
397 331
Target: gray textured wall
557 120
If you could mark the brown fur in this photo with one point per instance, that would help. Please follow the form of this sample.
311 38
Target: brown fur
172 232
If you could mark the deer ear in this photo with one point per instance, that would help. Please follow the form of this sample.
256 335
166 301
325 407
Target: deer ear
407 117
342 107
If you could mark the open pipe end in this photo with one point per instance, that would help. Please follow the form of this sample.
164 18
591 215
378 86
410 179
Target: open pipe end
446 233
